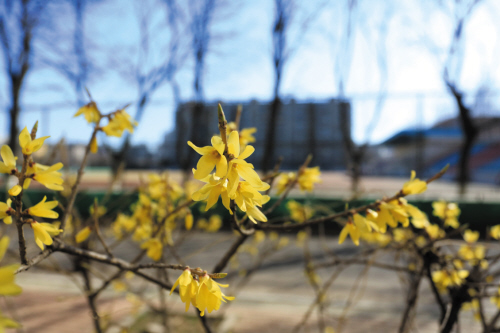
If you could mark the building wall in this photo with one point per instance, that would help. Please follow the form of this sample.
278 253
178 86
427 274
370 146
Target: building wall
303 128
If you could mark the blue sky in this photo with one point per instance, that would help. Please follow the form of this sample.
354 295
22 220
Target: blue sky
239 66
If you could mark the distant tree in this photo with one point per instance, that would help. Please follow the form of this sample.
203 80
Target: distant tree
200 19
375 28
283 15
160 54
286 13
18 22
460 13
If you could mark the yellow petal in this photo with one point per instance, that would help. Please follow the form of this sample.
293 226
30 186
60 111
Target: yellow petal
201 150
15 190
233 144
218 144
205 165
4 244
221 166
8 156
24 138
246 152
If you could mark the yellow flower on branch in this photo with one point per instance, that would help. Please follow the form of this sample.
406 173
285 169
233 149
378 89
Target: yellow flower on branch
15 190
7 273
8 165
188 288
6 211
90 112
495 231
245 134
154 248
299 212
448 212
238 167
308 178
209 295
414 185
28 145
44 232
211 191
471 236
7 323
83 234
212 157
119 122
284 180
446 278
44 209
49 176
351 230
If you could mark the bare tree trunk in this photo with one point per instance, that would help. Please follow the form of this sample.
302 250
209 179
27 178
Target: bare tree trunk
269 145
14 112
470 133
354 154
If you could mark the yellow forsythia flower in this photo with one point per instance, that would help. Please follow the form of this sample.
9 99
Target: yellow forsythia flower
28 145
212 157
7 323
188 288
93 146
238 167
445 278
8 165
44 209
447 211
49 176
308 178
6 211
495 231
471 236
90 112
211 191
299 212
284 180
414 185
43 233
154 247
214 223
119 122
15 190
188 221
83 234
209 295
351 230
7 273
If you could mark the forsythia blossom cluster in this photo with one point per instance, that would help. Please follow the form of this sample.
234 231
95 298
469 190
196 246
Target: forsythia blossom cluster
389 213
202 292
118 122
306 179
49 176
154 216
233 179
7 285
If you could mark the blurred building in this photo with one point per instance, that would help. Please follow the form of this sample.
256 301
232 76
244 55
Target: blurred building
429 150
303 128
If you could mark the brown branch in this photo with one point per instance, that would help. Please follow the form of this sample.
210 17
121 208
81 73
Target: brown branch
409 312
74 188
98 230
230 252
373 205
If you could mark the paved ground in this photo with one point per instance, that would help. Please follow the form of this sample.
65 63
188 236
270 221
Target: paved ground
274 300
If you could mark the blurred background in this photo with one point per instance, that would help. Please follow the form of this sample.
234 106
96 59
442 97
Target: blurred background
371 88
